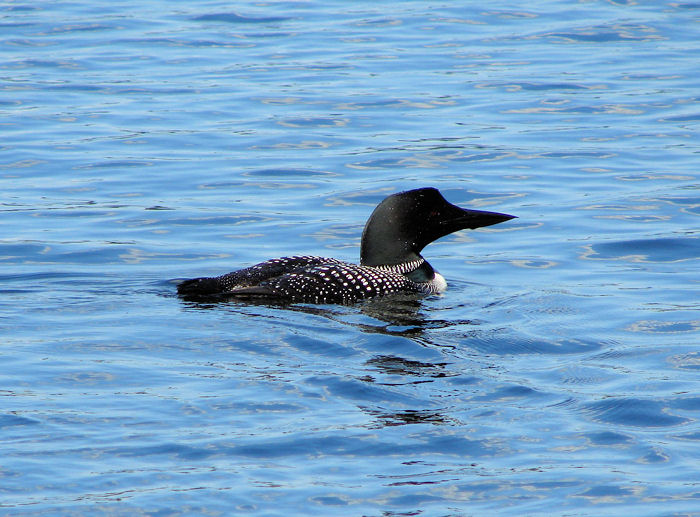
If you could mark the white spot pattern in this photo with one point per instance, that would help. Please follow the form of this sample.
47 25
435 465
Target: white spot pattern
311 279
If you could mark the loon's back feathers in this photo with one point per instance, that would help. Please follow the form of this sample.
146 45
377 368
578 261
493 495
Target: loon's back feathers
306 279
251 277
396 232
330 281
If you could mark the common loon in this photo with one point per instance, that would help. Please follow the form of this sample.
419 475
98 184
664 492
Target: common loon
390 260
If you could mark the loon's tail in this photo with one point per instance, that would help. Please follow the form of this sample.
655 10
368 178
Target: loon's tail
206 288
199 287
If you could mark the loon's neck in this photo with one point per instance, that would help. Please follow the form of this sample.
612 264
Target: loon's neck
419 271
421 274
403 267
430 280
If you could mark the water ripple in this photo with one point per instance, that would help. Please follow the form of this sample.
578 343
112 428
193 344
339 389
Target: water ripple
634 412
170 140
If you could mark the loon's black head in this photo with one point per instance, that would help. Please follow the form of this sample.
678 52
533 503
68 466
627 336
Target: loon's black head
404 223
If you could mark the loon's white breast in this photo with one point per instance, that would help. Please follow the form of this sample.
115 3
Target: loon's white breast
439 284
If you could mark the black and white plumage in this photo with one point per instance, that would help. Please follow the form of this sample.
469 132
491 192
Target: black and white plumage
396 232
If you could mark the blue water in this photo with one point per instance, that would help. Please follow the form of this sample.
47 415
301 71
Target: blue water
144 142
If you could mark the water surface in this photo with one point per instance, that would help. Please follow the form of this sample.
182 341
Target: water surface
149 142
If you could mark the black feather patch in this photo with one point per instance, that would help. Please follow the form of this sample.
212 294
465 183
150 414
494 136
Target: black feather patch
305 279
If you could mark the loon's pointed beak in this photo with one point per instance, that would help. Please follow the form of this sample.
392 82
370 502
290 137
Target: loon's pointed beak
477 219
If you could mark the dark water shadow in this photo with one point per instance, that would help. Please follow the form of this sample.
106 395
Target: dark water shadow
409 316
409 416
398 314
458 352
